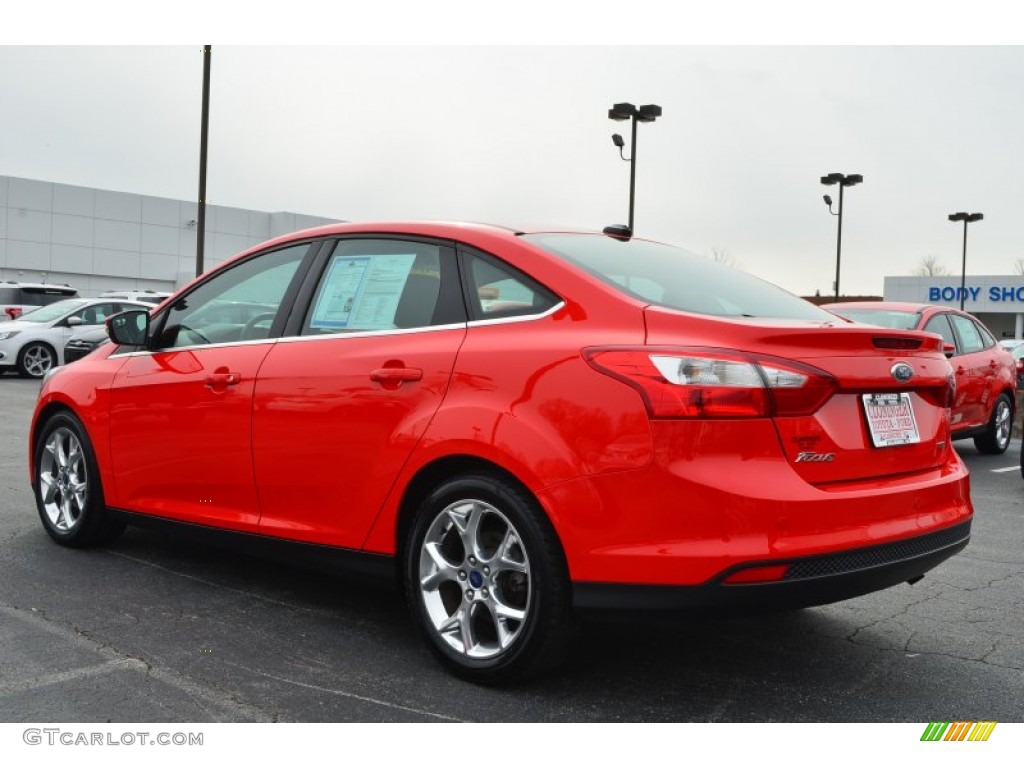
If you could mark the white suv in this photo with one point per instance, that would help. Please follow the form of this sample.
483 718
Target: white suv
17 298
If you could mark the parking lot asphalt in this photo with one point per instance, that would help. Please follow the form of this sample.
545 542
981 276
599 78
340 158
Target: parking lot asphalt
154 629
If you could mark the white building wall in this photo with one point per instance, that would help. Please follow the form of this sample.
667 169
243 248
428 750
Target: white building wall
98 240
997 300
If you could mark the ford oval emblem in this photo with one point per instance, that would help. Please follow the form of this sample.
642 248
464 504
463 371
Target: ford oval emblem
902 372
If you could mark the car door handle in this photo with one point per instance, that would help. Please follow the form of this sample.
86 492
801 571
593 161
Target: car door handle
223 379
396 374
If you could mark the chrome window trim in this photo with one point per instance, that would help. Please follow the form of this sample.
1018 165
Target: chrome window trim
192 348
518 318
365 334
351 335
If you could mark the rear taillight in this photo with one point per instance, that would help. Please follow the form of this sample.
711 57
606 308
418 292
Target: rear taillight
701 383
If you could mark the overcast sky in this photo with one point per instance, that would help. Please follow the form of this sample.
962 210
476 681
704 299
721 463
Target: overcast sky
519 135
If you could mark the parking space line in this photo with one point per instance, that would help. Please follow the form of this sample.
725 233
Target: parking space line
72 674
1005 469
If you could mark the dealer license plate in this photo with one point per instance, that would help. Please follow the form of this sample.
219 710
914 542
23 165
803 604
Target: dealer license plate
891 419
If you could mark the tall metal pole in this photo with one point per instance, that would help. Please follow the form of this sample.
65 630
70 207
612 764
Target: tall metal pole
632 173
963 270
204 133
839 239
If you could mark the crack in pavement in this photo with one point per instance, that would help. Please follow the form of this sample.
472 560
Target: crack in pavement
350 695
218 705
983 659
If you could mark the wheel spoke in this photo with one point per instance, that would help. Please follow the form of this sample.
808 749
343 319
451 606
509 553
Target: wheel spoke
507 612
468 640
505 634
59 452
456 628
78 492
65 521
49 487
510 553
467 520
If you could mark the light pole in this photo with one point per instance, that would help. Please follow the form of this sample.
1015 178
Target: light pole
842 181
966 218
204 131
648 113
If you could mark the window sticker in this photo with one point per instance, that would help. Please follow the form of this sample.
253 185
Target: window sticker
362 292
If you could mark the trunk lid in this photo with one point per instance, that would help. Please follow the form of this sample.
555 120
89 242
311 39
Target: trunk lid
875 424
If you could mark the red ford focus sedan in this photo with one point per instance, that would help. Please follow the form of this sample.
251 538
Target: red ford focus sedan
517 426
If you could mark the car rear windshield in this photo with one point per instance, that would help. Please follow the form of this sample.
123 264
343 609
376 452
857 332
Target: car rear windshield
887 318
671 277
34 295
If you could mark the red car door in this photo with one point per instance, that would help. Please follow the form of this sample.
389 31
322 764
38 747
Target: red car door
340 405
975 369
200 403
194 390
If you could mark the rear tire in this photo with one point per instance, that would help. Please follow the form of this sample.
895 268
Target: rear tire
67 486
1000 428
487 582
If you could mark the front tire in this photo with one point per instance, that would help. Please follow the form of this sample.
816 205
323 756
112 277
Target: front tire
1000 428
68 491
35 359
486 581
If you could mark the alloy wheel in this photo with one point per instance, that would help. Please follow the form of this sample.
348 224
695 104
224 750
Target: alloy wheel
37 360
1003 423
63 479
475 579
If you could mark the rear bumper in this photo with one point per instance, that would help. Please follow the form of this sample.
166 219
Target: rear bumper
809 581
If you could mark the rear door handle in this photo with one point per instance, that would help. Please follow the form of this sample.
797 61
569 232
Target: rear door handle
396 374
223 379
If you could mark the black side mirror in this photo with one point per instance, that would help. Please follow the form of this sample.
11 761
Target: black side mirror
130 327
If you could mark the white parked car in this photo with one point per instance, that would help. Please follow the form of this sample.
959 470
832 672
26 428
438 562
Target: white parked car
147 296
34 343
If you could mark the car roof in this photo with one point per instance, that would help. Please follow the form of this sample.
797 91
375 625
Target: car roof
482 234
61 286
895 306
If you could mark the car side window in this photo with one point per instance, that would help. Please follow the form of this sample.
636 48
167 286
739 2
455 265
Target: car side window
987 339
967 331
239 304
498 290
95 314
940 324
379 284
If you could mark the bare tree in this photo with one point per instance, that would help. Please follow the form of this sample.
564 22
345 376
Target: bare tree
722 256
930 266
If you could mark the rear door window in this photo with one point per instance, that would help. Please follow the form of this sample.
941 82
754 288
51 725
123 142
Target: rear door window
382 284
967 332
496 290
940 324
